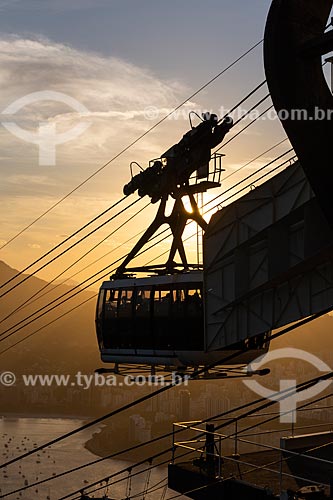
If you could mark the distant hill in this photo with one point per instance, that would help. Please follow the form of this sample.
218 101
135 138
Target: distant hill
70 343
66 346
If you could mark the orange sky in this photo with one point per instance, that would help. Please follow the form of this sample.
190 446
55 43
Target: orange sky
116 94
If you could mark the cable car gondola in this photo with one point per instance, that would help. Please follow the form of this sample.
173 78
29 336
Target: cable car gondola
159 319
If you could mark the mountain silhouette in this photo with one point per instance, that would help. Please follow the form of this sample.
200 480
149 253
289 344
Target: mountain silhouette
67 345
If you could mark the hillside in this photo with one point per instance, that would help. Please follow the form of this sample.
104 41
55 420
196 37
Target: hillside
70 343
67 345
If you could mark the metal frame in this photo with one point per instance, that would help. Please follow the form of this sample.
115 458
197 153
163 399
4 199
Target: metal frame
152 371
177 221
295 41
268 261
214 455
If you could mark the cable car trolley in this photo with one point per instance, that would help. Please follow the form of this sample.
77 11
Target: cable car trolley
157 321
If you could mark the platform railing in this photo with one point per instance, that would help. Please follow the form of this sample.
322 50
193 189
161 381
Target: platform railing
212 457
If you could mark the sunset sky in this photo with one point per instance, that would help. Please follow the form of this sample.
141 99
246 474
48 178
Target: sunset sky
116 58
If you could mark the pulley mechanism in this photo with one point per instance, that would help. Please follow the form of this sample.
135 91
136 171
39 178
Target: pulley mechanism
170 175
173 170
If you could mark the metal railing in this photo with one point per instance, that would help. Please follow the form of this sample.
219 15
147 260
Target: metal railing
213 459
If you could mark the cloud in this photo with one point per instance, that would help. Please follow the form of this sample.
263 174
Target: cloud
116 94
22 180
106 84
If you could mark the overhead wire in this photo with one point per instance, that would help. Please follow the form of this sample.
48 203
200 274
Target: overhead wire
247 113
244 128
250 94
286 393
264 467
138 139
144 444
80 290
151 468
81 184
152 489
56 247
39 310
29 302
98 461
32 334
194 375
18 326
231 436
43 266
279 461
236 171
285 459
93 220
233 195
37 296
141 232
98 420
195 490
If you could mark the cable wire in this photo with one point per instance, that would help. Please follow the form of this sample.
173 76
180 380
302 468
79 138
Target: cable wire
244 128
141 232
251 123
230 140
252 109
203 434
19 325
62 243
77 287
286 393
234 194
30 301
69 248
45 326
83 269
243 100
124 150
173 383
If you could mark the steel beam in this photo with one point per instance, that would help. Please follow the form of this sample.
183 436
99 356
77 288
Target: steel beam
296 81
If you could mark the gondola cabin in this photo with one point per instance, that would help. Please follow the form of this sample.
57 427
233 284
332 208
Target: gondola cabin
159 321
